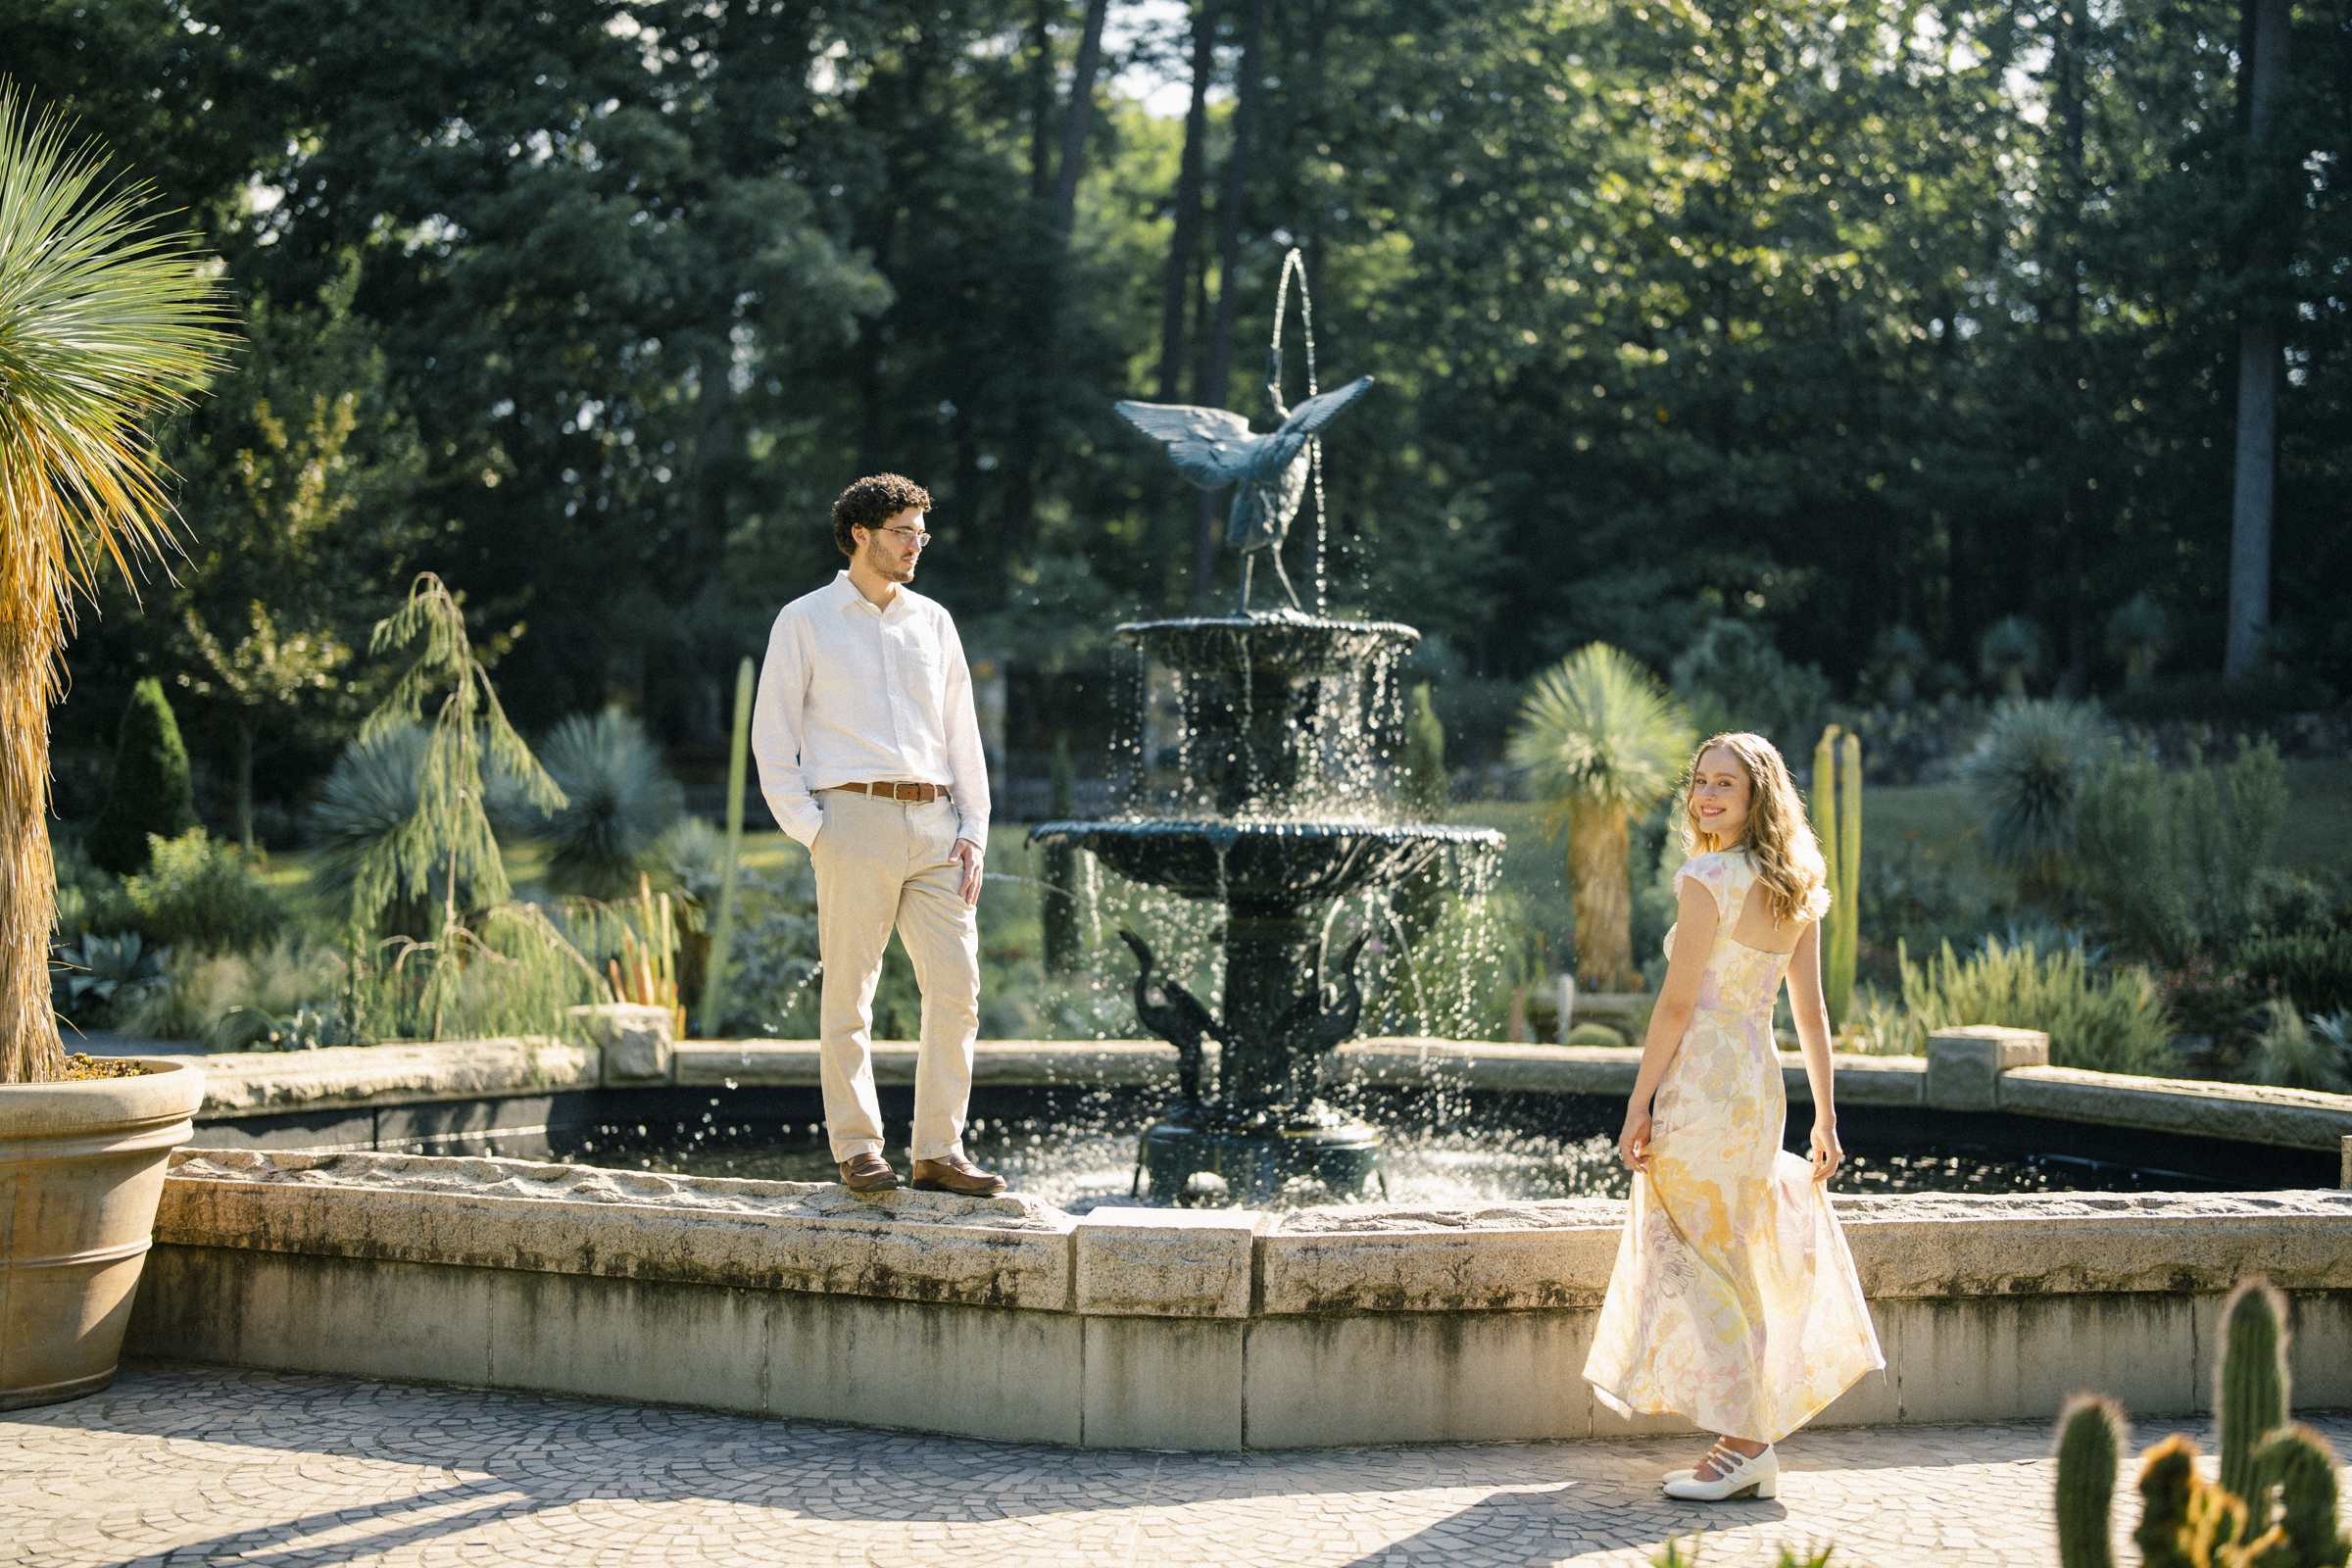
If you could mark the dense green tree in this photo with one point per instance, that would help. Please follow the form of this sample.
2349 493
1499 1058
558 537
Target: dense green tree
149 793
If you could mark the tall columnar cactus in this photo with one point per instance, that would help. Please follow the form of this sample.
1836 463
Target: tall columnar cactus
2168 1493
2091 1438
2299 1462
1840 976
722 936
1837 813
2251 1400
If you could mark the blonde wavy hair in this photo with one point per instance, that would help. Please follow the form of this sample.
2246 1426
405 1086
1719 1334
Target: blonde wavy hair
1778 836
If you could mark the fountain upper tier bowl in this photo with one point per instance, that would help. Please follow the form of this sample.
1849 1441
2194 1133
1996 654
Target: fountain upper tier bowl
1273 862
1281 643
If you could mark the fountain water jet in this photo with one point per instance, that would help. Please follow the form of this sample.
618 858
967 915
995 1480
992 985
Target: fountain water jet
1280 784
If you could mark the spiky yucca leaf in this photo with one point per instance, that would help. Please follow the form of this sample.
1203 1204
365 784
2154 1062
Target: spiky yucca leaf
105 321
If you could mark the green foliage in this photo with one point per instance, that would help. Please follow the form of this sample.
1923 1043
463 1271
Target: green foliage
2111 1023
2170 1492
88 900
2090 1441
150 795
362 810
2011 654
1595 1034
203 897
2175 860
2295 1055
772 991
2025 773
718 971
617 800
1426 785
2136 634
2250 1399
2312 967
1733 678
510 971
89 978
448 830
261 998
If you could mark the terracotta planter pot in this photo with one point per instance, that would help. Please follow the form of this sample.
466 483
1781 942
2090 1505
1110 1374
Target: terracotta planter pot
81 1168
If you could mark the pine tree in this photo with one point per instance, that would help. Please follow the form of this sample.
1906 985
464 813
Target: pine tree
150 792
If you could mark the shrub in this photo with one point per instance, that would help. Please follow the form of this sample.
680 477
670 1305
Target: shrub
88 900
204 896
771 984
2312 967
2110 1024
91 978
235 1000
2026 772
1733 678
366 800
617 801
2294 1055
2011 654
2176 859
150 792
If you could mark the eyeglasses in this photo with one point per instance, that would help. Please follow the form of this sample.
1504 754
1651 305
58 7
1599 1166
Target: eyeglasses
913 536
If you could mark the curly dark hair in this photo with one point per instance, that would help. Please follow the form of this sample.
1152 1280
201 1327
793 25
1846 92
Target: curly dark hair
872 502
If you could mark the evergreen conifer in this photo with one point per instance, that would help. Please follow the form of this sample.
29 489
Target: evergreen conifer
150 792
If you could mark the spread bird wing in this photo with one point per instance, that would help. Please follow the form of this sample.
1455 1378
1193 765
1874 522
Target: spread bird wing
1282 447
1210 447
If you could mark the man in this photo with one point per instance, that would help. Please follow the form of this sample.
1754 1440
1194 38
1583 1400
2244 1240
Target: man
869 755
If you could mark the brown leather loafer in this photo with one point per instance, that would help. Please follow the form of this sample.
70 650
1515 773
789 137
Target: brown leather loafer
868 1172
955 1174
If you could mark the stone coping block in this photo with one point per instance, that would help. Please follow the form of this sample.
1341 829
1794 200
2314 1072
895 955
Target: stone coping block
1167 1263
576 1219
1592 1069
2297 1118
1964 1063
635 1040
793 1063
271 1083
819 1238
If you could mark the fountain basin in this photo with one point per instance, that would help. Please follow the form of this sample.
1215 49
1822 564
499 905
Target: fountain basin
1273 865
1160 1329
1285 643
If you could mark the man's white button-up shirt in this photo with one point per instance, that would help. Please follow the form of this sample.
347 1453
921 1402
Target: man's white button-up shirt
851 694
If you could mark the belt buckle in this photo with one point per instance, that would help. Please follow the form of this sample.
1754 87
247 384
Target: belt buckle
907 791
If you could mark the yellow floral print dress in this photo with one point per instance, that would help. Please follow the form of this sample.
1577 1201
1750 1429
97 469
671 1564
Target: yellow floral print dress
1734 1300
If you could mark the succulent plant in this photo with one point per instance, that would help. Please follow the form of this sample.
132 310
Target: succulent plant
2091 1442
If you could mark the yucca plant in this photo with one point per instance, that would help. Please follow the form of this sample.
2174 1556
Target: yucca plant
105 322
2025 772
1603 740
2136 634
2011 654
618 800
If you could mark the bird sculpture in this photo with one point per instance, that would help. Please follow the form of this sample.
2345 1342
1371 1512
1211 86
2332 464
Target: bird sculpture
1311 1030
1213 447
1176 1015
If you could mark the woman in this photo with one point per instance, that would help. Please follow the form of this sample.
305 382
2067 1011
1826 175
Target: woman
1734 1300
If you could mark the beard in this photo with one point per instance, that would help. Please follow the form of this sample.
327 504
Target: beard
884 565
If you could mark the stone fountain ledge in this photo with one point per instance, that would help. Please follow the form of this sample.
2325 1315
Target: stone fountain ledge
1157 1328
1976 1069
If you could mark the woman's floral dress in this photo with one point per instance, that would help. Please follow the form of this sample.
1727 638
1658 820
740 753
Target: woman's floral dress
1734 1300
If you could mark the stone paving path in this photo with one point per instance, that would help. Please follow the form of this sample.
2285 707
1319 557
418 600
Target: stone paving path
196 1466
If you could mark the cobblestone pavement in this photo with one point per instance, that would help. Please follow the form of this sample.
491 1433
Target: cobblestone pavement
187 1465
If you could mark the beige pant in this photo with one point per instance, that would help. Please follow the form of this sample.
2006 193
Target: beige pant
879 864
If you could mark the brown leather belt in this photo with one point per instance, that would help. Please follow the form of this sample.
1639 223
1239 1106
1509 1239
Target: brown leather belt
920 793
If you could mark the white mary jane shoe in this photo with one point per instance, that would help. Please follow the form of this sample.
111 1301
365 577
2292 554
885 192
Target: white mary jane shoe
1757 1476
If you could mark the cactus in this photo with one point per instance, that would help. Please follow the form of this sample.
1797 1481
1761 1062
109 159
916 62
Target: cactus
1850 882
1837 813
2091 1436
2299 1462
1057 904
722 935
2251 1399
2168 1488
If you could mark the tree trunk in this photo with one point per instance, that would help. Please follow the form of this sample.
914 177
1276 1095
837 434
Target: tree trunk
29 636
1599 841
245 780
2258 354
1229 256
1074 126
1041 101
1183 246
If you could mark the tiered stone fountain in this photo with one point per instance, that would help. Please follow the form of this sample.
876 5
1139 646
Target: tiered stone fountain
1277 778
